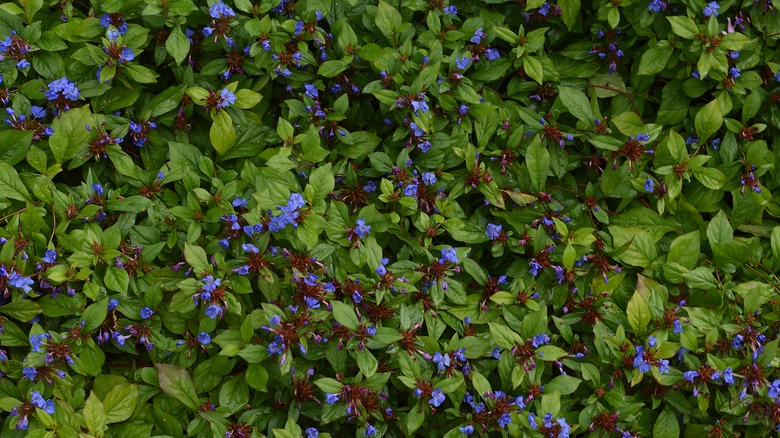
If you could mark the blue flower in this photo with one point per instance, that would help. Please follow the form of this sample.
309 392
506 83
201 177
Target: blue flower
361 229
50 256
126 55
370 430
442 360
532 420
371 330
663 366
540 339
467 429
463 64
734 72
411 190
737 342
39 401
650 185
565 428
493 231
29 372
146 313
657 6
204 338
219 10
774 389
239 202
429 178
21 282
451 10
535 267
690 375
478 36
312 432
331 398
62 87
311 91
112 303
213 311
728 376
226 98
492 54
448 255
496 353
437 398
677 327
504 420
711 9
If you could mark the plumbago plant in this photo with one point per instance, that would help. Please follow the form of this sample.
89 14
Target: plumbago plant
334 218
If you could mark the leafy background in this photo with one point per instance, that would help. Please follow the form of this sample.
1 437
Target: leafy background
303 218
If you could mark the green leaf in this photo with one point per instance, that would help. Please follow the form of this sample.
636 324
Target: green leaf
344 314
257 377
234 394
577 104
563 384
638 312
177 45
683 26
70 133
94 414
120 402
666 426
550 353
388 20
503 336
14 145
570 12
719 230
247 99
117 279
176 382
367 362
641 250
322 181
11 186
222 133
533 68
708 120
22 310
197 258
685 250
654 60
537 159
332 68
94 315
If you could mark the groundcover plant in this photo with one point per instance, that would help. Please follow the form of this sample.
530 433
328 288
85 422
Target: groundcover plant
366 218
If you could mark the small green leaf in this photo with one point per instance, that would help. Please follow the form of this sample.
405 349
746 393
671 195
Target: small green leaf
177 45
666 426
120 402
117 279
638 312
537 159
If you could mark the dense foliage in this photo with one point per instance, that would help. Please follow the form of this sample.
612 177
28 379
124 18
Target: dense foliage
352 217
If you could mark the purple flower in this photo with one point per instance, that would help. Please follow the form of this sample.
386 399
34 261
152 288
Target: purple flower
213 311
331 398
29 372
677 329
451 10
370 430
492 54
774 389
429 178
239 202
493 231
690 375
361 229
204 338
535 267
146 313
312 432
734 72
496 353
711 9
39 401
411 190
504 420
467 429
